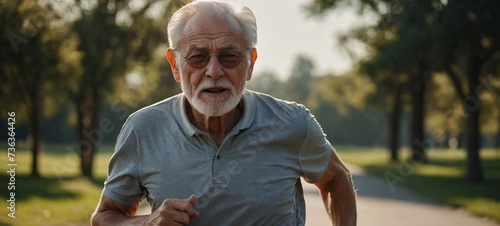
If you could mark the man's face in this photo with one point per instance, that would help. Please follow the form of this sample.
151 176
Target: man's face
213 89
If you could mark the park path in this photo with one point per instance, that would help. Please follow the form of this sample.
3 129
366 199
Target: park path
379 206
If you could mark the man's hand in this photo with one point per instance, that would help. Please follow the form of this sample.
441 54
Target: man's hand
174 212
171 212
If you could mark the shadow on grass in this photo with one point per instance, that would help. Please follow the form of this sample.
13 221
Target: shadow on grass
46 187
490 166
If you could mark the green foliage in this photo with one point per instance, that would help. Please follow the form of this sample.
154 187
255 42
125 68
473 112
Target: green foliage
410 33
445 114
80 58
343 91
27 62
267 82
410 42
298 85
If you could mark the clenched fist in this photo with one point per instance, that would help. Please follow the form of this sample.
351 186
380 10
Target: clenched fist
174 212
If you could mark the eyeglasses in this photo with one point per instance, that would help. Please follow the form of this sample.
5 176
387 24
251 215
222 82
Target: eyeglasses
227 58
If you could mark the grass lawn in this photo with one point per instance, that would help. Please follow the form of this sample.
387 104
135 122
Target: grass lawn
61 197
442 179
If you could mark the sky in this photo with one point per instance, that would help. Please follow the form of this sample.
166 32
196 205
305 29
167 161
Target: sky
285 31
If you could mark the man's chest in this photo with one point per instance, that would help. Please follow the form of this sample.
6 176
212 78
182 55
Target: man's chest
249 173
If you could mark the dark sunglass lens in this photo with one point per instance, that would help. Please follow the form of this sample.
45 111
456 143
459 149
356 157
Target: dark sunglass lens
198 60
230 59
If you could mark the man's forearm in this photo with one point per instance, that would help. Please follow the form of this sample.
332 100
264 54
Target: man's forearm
339 198
111 217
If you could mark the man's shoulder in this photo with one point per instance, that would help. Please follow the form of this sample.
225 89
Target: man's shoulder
162 109
267 104
274 102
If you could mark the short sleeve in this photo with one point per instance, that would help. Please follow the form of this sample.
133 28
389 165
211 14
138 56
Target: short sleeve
123 185
315 152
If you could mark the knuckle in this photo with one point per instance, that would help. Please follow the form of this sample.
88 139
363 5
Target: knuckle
183 205
163 211
167 201
183 218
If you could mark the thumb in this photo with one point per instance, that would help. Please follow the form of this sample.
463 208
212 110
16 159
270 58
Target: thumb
192 200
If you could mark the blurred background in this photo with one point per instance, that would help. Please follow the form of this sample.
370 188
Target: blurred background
390 81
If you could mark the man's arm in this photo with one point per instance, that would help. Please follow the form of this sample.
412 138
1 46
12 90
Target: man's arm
171 212
337 191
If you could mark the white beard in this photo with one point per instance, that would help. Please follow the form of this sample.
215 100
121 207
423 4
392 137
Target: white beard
213 106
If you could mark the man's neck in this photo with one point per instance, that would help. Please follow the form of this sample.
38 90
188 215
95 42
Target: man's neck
216 127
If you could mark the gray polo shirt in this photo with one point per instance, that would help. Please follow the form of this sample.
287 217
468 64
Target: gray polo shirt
253 178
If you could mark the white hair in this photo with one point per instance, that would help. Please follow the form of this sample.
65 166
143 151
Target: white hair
241 17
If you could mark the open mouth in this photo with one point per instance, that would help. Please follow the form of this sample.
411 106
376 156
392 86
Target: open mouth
215 90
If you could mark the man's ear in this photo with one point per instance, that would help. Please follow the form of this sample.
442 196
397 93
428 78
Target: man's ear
173 64
253 55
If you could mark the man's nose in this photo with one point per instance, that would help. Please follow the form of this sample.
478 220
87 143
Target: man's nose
214 68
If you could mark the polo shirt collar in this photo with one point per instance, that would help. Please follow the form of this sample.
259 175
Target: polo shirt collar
244 123
189 128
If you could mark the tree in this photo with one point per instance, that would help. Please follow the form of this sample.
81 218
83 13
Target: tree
468 35
29 64
458 37
445 114
298 84
388 70
391 86
415 26
113 36
267 82
399 42
339 104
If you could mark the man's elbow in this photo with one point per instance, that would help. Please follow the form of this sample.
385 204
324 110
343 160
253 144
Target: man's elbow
94 219
342 180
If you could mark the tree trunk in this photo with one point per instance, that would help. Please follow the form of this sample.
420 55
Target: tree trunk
394 123
472 130
418 142
88 133
36 124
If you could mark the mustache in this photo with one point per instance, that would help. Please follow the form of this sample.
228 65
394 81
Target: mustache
219 84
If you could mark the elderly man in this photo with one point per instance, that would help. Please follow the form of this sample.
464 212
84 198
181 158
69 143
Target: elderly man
218 154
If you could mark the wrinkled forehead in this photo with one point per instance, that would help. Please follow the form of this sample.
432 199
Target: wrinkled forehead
205 29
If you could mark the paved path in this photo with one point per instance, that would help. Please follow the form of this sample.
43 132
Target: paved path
379 206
